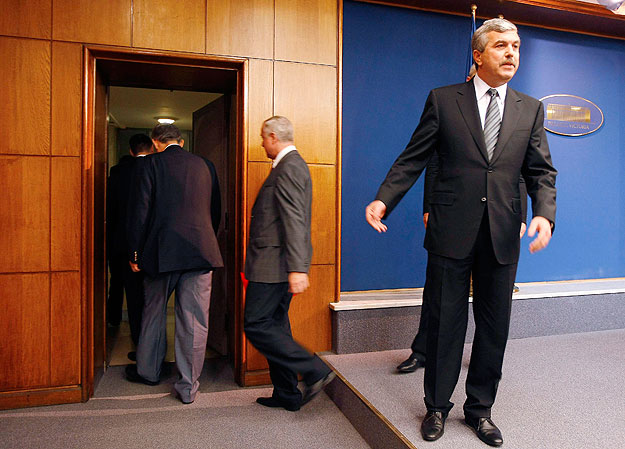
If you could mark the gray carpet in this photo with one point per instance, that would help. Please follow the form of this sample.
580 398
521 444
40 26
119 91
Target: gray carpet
125 415
558 392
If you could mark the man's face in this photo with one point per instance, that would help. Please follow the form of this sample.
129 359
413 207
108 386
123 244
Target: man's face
269 144
500 59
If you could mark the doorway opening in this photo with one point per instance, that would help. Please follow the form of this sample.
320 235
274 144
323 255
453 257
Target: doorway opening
126 91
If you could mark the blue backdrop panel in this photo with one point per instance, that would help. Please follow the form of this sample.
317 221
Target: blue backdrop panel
392 57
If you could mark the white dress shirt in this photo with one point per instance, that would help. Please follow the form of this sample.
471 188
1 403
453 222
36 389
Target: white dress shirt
483 97
281 154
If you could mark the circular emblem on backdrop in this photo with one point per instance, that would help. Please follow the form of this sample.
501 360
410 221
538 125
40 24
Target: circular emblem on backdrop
569 115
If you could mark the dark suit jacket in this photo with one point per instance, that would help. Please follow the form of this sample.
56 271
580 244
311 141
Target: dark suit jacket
117 193
279 240
171 213
467 182
431 172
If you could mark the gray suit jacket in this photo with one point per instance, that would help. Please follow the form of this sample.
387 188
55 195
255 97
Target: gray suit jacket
279 239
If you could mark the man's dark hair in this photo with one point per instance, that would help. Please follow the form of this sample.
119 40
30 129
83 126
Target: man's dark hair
140 143
166 133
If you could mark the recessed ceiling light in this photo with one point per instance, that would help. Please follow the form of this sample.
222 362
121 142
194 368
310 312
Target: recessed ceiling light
166 120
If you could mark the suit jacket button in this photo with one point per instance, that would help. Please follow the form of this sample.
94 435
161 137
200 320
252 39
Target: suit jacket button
483 199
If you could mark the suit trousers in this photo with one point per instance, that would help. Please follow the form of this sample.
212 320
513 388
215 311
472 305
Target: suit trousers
419 344
193 291
115 299
446 291
268 328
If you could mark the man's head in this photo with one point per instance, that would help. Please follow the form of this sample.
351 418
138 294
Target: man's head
277 134
164 135
140 144
495 48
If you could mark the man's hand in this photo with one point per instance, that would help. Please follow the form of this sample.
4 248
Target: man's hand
523 228
134 267
374 213
542 225
425 219
298 282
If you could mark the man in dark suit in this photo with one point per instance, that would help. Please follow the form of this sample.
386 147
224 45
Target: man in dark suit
122 277
485 135
171 234
277 263
417 357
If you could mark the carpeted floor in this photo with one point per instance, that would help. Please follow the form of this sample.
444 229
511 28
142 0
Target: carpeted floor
223 416
557 392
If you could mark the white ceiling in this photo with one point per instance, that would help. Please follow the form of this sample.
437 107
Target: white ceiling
131 107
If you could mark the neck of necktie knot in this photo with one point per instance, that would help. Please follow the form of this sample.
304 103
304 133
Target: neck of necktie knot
493 92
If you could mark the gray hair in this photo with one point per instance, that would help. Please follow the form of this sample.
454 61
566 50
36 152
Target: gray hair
480 37
280 126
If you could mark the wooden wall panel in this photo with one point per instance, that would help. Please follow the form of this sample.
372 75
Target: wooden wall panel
257 172
24 330
28 18
66 99
24 214
260 105
240 28
313 109
307 31
323 226
170 25
25 94
311 321
65 339
65 214
98 22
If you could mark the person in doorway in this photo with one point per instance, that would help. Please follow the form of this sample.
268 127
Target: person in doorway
122 277
171 235
276 266
486 135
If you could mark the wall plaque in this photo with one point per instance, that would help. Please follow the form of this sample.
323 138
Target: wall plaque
569 115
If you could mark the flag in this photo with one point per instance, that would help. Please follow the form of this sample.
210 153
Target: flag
470 52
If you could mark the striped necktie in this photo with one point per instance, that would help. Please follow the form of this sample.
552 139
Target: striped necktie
492 123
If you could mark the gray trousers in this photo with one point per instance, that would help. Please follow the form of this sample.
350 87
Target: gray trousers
193 290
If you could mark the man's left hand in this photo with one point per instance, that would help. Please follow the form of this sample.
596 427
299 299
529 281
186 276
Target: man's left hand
298 282
543 226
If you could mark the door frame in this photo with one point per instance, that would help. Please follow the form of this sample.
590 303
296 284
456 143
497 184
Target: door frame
93 239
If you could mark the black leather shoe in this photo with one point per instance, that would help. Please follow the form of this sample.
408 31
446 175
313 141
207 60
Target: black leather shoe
433 426
276 403
313 390
133 376
132 355
486 430
410 365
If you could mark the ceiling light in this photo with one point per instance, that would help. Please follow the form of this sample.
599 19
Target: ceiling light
166 120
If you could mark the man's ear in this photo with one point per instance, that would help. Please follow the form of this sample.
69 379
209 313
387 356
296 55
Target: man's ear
181 142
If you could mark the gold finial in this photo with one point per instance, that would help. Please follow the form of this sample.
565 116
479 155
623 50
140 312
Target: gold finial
473 9
500 16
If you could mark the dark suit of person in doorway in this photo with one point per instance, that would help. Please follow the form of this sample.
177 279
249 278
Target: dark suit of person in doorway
171 234
117 195
277 263
486 135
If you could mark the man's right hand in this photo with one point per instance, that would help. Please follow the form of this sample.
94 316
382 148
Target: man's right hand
134 267
425 219
374 213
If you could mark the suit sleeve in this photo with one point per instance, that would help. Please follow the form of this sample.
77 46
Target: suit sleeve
292 192
215 197
539 173
523 194
431 172
412 161
139 209
111 217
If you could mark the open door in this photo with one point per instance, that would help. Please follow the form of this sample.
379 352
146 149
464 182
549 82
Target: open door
212 140
98 226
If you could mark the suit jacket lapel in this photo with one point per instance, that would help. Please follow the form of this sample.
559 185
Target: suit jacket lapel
468 107
511 114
